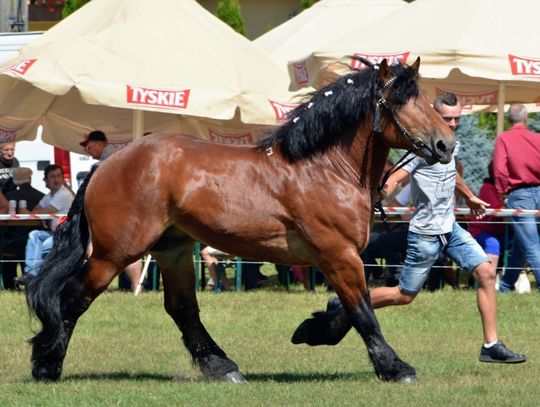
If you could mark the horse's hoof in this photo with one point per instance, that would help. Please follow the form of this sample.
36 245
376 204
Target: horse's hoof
301 334
234 377
409 379
45 374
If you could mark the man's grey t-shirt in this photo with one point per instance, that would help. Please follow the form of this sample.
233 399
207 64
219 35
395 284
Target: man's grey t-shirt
432 190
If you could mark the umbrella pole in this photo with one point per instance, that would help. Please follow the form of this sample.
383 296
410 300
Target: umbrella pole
138 124
143 275
500 108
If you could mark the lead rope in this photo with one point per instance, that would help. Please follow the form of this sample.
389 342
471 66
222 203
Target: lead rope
400 164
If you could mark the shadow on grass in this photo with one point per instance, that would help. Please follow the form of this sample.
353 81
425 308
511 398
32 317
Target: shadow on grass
120 376
308 377
250 377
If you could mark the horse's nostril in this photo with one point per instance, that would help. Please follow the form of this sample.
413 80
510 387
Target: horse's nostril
441 146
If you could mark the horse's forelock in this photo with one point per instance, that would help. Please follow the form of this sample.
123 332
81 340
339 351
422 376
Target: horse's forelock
404 87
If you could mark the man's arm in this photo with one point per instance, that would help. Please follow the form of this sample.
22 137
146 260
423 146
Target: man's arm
478 207
38 209
393 180
500 167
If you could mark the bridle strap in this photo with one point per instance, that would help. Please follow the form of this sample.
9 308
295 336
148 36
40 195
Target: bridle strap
416 143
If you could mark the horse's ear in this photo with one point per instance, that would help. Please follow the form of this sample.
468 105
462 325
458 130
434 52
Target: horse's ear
416 65
385 73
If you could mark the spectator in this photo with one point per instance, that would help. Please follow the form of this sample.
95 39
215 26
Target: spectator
97 146
489 233
40 242
218 279
7 163
516 167
251 274
15 237
22 179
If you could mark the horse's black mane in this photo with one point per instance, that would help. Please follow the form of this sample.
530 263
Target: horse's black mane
333 111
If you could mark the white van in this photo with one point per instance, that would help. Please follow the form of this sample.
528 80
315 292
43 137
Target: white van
36 154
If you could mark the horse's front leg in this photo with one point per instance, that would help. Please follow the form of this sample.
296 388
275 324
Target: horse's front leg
346 274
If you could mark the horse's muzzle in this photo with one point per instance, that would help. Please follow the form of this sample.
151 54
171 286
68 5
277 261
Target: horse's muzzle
442 150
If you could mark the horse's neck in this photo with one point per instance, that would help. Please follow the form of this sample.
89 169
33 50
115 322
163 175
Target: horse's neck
365 158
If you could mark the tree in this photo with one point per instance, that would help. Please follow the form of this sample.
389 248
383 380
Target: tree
71 6
475 151
229 11
304 4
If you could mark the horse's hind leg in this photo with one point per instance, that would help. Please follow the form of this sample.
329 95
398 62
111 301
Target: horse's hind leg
74 299
174 254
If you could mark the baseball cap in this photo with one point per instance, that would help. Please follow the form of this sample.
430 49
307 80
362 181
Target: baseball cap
96 135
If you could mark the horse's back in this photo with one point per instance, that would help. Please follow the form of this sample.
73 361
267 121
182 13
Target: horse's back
162 177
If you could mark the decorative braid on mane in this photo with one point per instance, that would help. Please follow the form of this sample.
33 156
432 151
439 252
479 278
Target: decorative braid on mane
330 114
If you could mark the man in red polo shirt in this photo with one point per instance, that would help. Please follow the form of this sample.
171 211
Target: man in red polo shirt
516 166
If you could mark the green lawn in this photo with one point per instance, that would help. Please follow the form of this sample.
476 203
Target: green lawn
127 352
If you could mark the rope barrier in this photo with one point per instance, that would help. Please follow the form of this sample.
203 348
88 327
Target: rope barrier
393 210
31 216
390 210
500 212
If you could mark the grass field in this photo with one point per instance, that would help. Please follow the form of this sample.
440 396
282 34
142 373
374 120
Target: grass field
127 352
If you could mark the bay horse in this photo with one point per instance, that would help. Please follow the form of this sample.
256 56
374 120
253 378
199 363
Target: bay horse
304 195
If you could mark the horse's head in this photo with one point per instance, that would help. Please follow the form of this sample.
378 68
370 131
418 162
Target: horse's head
407 119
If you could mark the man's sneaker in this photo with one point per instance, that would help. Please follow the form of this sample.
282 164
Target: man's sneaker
499 353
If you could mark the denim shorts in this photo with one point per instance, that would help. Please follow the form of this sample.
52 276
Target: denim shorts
424 250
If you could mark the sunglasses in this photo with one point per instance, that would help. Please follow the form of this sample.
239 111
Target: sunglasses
448 119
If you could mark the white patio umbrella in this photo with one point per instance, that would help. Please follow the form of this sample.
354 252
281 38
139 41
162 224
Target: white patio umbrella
485 51
113 59
324 21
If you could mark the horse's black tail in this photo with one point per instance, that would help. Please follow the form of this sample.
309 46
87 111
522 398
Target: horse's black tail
64 263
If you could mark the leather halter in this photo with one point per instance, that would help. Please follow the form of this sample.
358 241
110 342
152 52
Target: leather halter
416 142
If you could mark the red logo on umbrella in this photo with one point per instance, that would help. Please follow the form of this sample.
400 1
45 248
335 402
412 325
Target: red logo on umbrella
524 66
281 109
467 99
245 138
301 73
176 99
392 59
20 67
7 135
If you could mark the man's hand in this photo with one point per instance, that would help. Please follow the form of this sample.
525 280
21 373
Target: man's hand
477 206
387 189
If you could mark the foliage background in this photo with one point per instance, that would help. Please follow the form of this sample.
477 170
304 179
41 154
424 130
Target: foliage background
230 12
72 5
